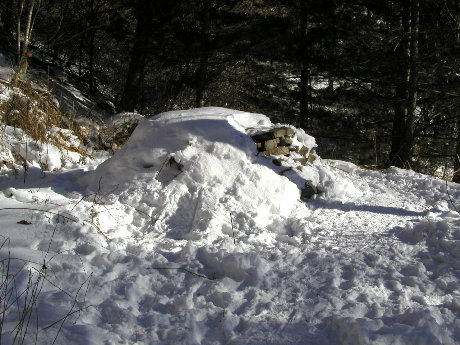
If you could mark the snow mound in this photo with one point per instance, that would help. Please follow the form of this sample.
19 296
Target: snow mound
204 165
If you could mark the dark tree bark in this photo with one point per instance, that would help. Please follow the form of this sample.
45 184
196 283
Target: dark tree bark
406 88
413 79
91 51
54 41
202 72
456 177
305 65
138 58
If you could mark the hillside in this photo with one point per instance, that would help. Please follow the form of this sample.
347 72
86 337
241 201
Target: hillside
188 235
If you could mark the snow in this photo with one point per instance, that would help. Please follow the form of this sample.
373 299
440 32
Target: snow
188 236
15 143
124 118
6 70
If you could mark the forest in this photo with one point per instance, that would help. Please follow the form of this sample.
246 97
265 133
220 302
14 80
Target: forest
376 82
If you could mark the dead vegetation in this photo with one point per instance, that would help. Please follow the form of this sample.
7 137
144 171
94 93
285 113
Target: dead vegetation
31 107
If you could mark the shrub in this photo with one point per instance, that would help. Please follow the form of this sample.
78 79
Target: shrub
31 107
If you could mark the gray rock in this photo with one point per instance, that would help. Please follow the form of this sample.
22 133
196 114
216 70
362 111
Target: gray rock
304 151
279 132
277 151
270 144
283 131
263 136
302 161
311 158
308 191
278 161
285 141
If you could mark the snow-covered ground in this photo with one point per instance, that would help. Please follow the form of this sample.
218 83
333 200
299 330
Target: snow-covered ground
187 236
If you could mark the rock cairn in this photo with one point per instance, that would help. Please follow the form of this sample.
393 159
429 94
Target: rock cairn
278 142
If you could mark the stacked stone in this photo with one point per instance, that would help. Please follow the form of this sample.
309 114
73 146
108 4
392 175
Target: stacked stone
275 142
278 142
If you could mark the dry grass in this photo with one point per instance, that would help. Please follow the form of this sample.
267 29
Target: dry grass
32 108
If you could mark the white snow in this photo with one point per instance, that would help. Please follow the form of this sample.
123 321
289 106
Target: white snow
6 70
17 148
214 246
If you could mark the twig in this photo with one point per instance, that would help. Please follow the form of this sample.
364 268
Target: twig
26 299
152 219
50 242
71 309
19 259
67 315
99 201
285 170
53 284
91 194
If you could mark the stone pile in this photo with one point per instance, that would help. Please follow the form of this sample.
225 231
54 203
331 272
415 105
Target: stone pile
278 142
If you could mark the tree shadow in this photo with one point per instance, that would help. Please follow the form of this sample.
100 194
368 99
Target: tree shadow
350 206
59 182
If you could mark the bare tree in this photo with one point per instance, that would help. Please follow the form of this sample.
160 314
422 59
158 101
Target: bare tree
406 87
28 10
202 73
304 54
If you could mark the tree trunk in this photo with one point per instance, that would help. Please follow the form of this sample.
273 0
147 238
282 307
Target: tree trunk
28 29
19 31
456 177
413 80
91 52
406 87
138 60
202 72
54 41
80 57
24 35
305 72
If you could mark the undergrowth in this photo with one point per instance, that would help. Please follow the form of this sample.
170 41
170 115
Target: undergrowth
31 107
